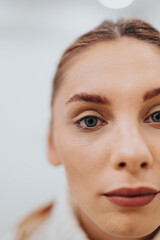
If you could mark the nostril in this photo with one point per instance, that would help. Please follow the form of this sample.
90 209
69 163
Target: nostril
144 164
122 164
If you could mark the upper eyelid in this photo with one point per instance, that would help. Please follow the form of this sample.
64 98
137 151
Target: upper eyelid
149 113
108 115
99 118
89 112
152 108
82 108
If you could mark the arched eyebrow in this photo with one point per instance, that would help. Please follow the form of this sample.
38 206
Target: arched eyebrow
151 93
93 98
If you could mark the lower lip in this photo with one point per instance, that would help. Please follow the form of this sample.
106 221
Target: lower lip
137 201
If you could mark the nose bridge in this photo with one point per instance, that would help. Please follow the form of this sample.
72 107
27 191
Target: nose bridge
130 135
131 150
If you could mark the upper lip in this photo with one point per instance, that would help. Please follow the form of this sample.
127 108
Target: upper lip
140 191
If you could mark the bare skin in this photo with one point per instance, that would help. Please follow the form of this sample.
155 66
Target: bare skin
126 131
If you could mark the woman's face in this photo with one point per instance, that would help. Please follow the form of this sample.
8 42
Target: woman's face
106 133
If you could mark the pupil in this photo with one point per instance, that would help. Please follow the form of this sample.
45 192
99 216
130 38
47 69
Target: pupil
156 117
91 121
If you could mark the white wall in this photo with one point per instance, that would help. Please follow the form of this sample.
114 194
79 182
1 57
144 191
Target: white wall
33 34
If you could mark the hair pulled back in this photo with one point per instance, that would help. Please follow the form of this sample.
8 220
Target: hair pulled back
106 31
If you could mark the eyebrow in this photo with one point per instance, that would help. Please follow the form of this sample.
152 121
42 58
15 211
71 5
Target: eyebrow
94 98
151 93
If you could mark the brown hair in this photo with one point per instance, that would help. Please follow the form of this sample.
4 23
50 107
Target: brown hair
107 31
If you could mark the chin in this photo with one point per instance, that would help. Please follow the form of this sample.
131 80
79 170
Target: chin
130 229
128 233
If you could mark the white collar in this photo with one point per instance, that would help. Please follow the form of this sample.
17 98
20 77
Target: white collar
63 224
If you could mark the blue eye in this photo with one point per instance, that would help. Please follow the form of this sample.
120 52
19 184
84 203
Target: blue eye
155 117
90 123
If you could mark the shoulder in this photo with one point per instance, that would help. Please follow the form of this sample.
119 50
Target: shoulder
34 223
46 222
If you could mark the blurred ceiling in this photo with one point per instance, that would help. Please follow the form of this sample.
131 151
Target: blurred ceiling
59 20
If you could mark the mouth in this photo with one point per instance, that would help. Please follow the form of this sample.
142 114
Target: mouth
131 197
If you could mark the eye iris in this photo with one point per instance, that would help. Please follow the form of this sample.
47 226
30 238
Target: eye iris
90 121
156 117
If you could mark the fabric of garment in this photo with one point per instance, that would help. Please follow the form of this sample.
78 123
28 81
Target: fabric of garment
62 223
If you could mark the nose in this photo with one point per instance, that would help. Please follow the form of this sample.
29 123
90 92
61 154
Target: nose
131 152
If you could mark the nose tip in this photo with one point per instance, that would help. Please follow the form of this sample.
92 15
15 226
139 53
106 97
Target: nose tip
132 154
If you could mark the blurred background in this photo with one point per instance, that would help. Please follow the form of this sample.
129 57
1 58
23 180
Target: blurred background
33 35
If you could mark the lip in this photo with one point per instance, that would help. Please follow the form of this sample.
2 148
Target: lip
131 197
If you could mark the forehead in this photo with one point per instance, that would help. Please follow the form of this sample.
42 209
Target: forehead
108 66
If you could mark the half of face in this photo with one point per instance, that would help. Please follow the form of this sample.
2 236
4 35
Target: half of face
106 133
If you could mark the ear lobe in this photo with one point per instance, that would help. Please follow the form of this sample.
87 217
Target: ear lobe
52 155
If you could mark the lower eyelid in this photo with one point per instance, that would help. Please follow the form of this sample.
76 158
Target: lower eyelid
90 129
154 125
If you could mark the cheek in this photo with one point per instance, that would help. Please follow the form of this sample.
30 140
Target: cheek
83 157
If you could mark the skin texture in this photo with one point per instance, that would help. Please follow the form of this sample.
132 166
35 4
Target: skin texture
122 71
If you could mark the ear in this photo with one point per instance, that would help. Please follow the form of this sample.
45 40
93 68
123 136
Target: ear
52 155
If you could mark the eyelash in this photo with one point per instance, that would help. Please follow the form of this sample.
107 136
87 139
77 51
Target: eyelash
156 122
91 128
104 122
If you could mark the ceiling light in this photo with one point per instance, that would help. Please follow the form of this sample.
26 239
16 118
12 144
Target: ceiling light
115 4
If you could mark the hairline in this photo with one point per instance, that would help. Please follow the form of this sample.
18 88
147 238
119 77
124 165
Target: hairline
80 54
